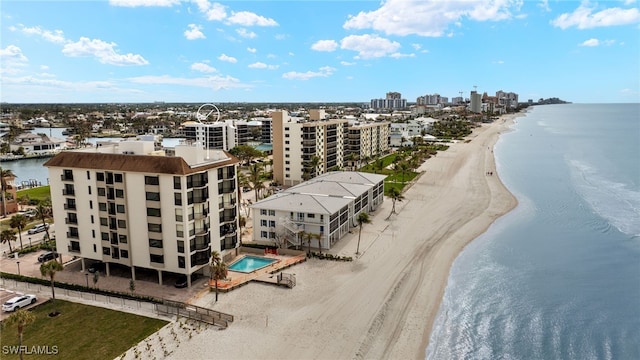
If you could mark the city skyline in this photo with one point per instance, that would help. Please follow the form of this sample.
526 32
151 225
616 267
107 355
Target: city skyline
312 51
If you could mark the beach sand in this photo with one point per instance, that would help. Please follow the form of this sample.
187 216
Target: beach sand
383 304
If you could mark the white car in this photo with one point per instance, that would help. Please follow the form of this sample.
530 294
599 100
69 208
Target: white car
18 302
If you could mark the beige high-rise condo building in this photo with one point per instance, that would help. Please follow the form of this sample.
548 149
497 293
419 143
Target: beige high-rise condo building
366 141
303 149
135 208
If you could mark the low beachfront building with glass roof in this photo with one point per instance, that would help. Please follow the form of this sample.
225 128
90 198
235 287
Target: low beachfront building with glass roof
321 210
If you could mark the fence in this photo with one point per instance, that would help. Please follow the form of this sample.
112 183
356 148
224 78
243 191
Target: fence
192 312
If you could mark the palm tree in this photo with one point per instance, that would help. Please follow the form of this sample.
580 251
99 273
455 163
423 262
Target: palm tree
4 185
7 236
49 269
307 236
312 166
21 318
255 178
395 195
403 167
18 222
216 270
379 165
363 218
43 211
351 158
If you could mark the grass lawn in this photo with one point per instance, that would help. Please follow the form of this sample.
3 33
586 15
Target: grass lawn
38 193
82 331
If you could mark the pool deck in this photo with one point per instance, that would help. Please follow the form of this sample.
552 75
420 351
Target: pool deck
265 274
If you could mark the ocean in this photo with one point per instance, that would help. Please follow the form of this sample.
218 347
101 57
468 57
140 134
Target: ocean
559 276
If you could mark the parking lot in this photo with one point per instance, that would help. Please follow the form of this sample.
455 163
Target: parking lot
7 294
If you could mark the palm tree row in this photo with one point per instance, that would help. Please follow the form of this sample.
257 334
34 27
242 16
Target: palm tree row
218 269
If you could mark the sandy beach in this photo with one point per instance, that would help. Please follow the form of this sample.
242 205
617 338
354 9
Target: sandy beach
383 304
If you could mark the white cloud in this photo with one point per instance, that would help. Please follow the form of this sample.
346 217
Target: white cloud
595 42
544 5
202 67
44 67
346 63
584 17
246 18
369 46
194 32
252 50
591 42
227 58
325 45
212 12
416 46
11 60
260 65
400 55
429 18
215 82
104 51
246 33
148 3
499 62
324 71
55 36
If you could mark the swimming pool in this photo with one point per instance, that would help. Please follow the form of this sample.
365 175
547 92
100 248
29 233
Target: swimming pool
250 263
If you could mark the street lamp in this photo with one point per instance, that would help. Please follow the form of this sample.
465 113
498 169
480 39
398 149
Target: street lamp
18 263
29 241
87 277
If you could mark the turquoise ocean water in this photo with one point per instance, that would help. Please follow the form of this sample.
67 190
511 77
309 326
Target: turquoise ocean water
558 277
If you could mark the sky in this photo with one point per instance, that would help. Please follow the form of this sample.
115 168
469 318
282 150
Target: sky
104 51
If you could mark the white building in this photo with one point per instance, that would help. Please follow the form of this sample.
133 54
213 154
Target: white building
37 144
297 141
326 206
132 206
220 135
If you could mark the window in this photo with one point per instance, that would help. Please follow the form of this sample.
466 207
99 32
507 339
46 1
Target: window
101 191
154 227
89 189
92 219
263 211
122 224
122 239
120 208
263 234
155 243
102 206
153 196
286 135
286 155
88 175
117 178
286 142
179 230
272 235
153 212
104 236
124 254
90 204
321 229
181 246
95 249
177 199
287 169
287 176
178 214
156 258
104 221
272 213
93 233
287 162
152 180
286 149
176 182
272 223
106 251
311 216
286 129
263 222
181 263
100 177
119 193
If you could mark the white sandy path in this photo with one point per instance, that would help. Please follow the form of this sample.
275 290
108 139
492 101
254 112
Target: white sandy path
382 305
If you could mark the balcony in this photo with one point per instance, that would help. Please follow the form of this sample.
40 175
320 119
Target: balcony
69 206
72 235
70 221
199 216
74 247
202 231
66 177
230 204
68 192
201 257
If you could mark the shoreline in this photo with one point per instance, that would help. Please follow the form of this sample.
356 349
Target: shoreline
383 304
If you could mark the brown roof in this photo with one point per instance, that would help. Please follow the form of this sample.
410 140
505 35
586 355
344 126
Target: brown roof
133 163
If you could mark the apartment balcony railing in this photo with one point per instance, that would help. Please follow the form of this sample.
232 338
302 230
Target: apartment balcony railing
73 248
69 206
69 192
72 235
66 177
70 221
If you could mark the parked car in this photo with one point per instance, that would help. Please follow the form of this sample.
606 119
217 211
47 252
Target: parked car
182 280
38 228
49 255
96 267
29 214
18 302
